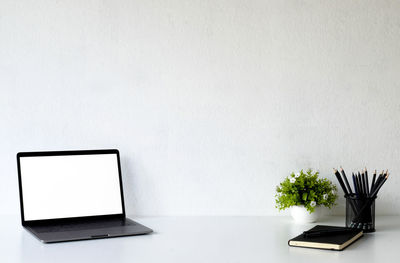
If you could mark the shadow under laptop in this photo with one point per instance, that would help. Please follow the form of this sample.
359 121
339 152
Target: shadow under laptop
33 250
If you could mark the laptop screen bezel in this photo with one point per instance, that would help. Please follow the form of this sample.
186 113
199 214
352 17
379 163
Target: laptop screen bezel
69 219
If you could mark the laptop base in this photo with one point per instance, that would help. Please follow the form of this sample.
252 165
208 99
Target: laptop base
88 230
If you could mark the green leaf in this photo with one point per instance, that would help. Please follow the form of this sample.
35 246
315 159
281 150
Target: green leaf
308 187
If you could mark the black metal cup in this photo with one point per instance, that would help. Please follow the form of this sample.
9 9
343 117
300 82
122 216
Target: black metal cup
360 212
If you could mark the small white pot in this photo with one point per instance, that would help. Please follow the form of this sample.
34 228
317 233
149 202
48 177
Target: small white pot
301 215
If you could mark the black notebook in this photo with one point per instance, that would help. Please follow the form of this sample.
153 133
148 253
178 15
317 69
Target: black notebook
319 238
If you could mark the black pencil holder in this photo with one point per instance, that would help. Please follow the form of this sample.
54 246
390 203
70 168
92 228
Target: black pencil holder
360 212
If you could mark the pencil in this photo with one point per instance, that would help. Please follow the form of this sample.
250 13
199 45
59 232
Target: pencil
373 181
363 182
328 232
345 180
378 180
358 187
380 185
360 183
340 181
366 180
355 184
381 180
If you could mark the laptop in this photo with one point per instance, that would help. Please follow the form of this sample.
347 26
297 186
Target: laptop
73 195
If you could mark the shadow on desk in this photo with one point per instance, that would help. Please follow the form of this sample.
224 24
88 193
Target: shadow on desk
386 227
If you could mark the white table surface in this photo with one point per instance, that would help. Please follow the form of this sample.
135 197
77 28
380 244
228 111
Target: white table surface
203 239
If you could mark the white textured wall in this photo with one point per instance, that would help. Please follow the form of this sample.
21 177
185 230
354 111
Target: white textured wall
211 103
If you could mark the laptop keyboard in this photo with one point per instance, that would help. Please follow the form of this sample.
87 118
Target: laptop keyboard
83 226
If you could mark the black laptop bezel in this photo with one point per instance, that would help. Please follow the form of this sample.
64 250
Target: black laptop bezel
70 219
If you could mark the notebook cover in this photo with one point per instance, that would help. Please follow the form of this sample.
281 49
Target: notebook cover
338 239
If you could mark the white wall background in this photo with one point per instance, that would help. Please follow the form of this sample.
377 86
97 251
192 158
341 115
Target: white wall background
211 103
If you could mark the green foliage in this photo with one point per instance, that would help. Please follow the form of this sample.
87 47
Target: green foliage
305 189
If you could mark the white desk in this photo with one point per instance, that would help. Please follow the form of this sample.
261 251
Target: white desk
202 239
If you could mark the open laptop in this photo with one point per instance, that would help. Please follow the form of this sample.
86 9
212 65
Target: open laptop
73 195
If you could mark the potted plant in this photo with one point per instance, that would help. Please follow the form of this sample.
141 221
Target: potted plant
304 193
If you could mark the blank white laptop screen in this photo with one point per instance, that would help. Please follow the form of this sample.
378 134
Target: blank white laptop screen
70 186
